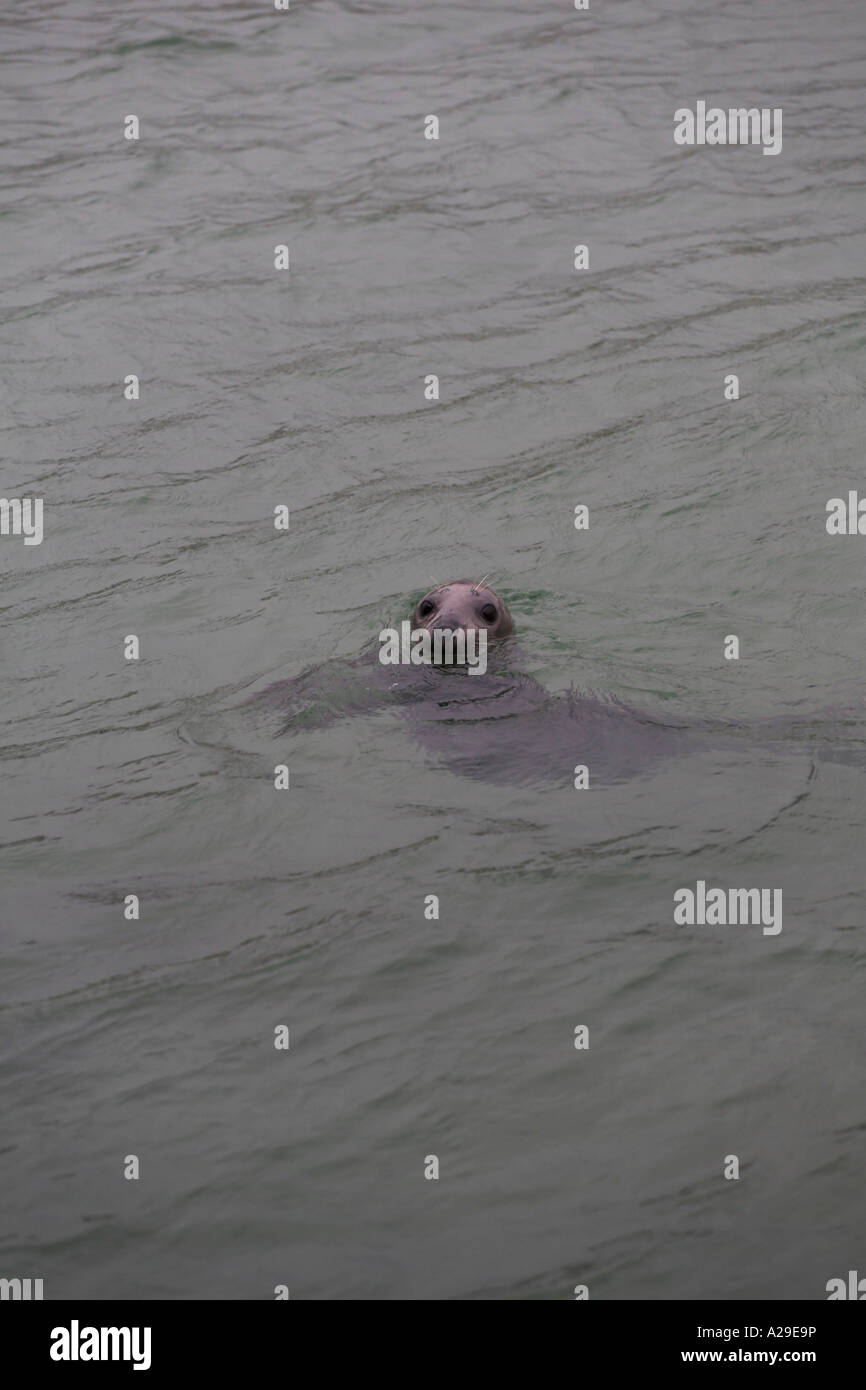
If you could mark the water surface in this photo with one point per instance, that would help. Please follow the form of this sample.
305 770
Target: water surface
306 908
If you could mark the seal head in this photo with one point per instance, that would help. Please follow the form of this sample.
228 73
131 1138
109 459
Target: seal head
464 605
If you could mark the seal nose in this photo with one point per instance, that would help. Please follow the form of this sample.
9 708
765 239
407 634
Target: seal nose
448 622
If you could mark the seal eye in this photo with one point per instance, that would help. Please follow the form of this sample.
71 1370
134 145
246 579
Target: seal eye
488 613
425 608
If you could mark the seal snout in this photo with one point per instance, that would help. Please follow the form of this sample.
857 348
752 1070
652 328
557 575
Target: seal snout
446 621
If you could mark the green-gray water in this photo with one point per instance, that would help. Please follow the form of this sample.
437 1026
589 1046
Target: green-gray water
559 387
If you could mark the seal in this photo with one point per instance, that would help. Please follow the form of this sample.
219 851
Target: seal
501 726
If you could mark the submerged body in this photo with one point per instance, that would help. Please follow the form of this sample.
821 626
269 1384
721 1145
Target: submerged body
498 727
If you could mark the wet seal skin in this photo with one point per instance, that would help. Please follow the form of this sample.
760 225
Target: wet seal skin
503 726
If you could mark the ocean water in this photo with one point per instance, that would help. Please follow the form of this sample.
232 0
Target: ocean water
305 388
